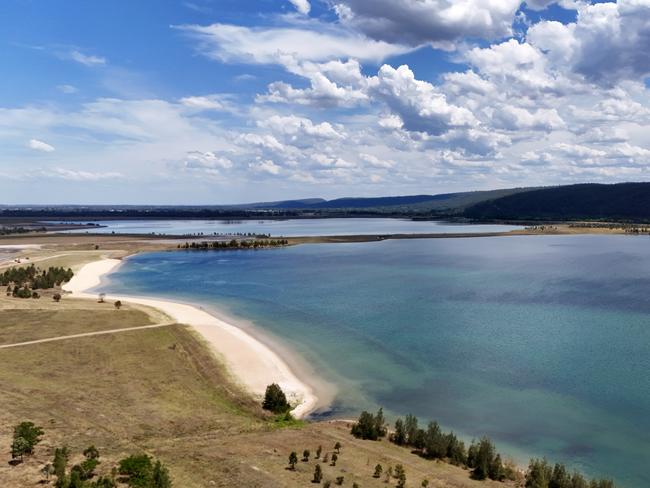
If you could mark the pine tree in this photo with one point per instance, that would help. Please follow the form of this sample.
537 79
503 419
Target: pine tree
318 474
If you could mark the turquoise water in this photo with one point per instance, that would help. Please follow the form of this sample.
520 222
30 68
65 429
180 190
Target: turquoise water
290 227
542 343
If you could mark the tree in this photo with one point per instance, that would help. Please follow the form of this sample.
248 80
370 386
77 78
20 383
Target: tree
293 460
337 447
47 470
424 483
339 480
378 471
101 298
399 437
56 297
495 470
335 458
138 468
305 455
318 451
318 474
484 458
369 426
539 474
19 447
275 400
26 436
160 476
60 462
118 304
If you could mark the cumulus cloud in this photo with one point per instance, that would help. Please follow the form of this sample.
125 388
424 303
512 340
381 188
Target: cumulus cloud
607 43
419 105
41 146
437 22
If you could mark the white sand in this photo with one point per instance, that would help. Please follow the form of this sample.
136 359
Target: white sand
251 362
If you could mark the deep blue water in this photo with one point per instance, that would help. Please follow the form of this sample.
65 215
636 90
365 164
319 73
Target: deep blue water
290 227
542 343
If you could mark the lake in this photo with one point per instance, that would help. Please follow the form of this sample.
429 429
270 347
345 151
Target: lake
540 342
288 228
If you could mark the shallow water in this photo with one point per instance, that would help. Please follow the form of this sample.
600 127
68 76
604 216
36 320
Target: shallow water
542 343
289 228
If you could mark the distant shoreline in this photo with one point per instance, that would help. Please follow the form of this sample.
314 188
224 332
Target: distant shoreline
252 363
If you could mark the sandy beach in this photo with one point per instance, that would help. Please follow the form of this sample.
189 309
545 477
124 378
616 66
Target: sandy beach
251 363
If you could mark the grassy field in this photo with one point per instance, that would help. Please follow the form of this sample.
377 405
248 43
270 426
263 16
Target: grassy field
161 391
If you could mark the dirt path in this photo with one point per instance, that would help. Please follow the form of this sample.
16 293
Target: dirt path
86 334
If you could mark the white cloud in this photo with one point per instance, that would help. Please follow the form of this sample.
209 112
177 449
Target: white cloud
75 175
302 6
85 59
608 42
265 166
208 102
67 89
41 146
288 45
420 106
207 160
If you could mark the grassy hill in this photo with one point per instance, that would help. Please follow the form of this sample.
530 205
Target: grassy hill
620 202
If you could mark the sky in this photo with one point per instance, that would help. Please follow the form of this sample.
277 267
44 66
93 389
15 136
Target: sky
229 101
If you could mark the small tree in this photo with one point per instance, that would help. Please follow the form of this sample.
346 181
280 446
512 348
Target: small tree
56 297
425 483
318 451
335 458
60 462
101 298
47 470
318 474
160 476
339 480
293 460
30 435
326 458
305 455
378 471
118 304
275 400
337 447
19 447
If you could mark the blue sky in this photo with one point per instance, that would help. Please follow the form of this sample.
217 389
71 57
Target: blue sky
221 101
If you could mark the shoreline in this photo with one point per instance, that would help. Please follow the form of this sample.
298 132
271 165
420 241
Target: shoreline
250 362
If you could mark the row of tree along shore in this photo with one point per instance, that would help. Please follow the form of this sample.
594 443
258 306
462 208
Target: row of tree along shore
236 244
481 458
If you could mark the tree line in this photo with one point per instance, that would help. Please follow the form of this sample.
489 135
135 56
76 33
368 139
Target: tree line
6 231
481 458
235 244
136 471
36 278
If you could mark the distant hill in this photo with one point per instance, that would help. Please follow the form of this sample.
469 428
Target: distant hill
623 201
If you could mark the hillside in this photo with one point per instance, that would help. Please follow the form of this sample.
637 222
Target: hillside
624 201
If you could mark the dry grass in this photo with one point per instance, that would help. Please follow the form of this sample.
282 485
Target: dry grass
162 391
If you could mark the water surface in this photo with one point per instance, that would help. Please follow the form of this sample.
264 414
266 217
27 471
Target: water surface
288 228
542 343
